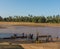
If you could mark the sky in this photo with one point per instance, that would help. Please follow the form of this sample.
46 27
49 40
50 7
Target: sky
25 7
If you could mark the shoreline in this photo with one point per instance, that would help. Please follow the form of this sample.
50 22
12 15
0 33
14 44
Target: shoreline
52 45
6 24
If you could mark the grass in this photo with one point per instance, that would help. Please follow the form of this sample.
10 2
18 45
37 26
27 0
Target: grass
11 47
51 45
4 24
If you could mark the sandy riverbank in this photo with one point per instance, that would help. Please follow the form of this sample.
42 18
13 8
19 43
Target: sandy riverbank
29 24
51 45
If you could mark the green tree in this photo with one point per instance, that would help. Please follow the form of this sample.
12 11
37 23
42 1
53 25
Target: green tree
1 19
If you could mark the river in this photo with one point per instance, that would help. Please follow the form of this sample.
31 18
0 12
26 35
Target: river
7 32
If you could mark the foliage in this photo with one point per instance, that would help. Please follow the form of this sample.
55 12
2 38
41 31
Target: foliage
31 18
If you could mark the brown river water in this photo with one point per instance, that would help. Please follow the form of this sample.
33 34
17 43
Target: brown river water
7 32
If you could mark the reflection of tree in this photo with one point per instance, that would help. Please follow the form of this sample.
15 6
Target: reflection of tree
37 37
57 38
14 36
23 35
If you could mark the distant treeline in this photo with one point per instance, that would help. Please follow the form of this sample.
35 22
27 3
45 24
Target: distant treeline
31 18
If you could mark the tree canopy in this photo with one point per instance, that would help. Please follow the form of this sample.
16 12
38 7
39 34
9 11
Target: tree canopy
31 18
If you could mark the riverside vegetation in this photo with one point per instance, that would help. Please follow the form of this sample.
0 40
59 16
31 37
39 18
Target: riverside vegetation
31 18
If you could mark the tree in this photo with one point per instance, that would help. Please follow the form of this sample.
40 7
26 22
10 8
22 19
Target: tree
43 19
58 18
1 19
31 18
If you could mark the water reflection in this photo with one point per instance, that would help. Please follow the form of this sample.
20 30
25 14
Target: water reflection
54 31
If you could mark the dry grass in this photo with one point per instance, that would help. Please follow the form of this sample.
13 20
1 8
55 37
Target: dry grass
30 24
52 45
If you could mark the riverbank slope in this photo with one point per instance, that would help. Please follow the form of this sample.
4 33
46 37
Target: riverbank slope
29 24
